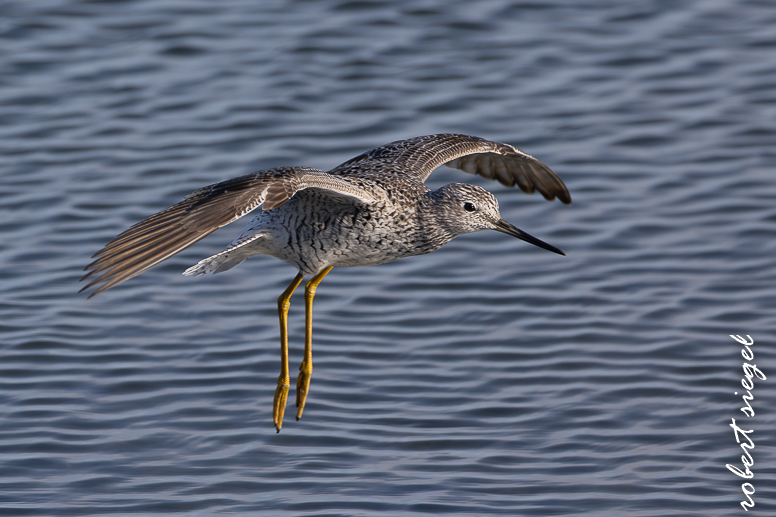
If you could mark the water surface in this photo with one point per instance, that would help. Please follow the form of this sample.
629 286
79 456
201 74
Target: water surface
488 378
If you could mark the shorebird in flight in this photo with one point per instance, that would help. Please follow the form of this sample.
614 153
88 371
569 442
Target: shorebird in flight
370 210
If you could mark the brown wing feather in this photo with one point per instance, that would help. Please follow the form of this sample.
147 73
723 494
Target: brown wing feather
170 231
514 168
492 160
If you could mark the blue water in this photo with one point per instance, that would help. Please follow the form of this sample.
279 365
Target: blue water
488 378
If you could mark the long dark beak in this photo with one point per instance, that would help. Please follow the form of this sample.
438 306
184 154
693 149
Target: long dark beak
504 227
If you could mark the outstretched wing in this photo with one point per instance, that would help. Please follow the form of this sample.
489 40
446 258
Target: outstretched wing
491 160
170 231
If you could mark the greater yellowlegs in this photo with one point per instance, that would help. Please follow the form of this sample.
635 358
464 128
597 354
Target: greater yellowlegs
370 210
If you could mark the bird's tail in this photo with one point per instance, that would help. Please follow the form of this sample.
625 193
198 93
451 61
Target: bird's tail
223 261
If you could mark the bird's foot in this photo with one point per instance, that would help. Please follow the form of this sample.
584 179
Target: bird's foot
279 404
303 386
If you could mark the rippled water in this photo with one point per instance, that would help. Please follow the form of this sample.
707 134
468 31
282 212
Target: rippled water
488 378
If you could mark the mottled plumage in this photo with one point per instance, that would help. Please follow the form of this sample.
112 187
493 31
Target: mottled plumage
370 210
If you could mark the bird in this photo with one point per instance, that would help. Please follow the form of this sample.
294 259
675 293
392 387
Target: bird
371 209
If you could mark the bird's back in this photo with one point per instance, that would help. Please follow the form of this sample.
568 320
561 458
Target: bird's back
313 230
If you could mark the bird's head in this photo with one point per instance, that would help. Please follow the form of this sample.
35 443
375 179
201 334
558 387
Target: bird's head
464 208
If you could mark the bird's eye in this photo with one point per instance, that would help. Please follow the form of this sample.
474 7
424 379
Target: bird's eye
469 207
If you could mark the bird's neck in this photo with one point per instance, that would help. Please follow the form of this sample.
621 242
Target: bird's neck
434 213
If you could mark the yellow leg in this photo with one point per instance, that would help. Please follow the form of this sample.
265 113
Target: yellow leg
284 382
306 368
